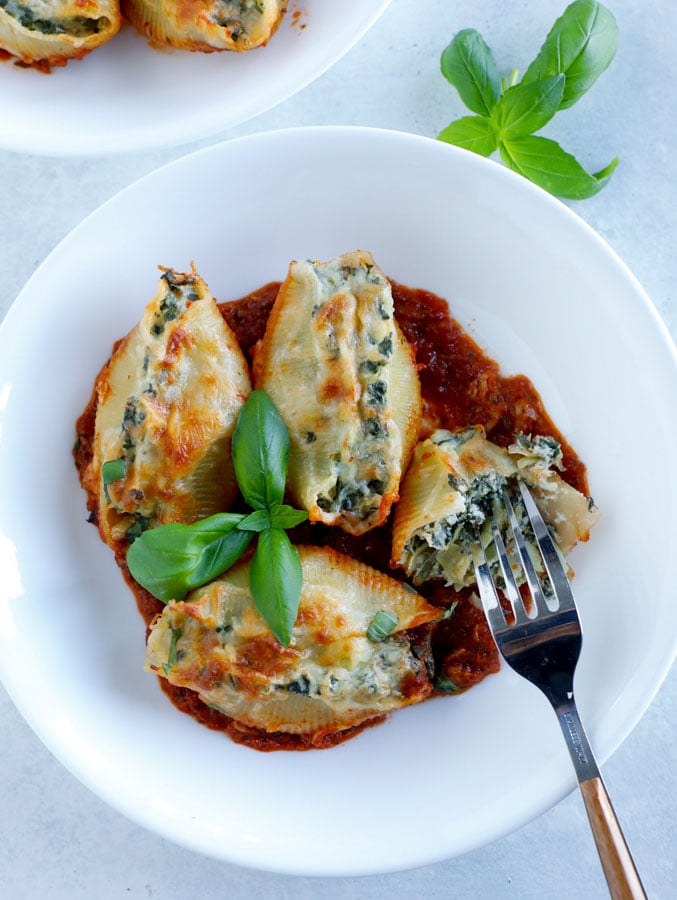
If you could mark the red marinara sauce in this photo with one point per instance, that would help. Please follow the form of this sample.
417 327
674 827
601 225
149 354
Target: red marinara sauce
460 386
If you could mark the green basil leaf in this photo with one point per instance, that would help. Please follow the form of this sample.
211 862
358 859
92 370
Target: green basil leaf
256 521
260 452
171 560
546 164
381 626
469 65
276 581
526 108
580 45
475 133
287 516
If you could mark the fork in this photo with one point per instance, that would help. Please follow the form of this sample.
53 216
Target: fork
543 646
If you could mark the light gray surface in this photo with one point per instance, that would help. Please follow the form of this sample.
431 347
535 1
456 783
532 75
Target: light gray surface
56 838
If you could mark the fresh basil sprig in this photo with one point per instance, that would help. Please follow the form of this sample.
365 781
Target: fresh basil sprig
578 48
171 560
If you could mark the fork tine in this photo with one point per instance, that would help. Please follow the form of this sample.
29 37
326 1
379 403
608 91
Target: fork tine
532 579
485 585
511 591
551 556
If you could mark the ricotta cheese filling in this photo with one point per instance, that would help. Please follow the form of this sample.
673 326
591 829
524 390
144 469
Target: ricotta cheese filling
477 472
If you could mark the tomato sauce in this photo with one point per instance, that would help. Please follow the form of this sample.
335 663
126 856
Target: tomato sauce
460 386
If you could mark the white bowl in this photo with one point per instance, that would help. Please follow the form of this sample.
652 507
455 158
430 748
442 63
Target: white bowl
541 292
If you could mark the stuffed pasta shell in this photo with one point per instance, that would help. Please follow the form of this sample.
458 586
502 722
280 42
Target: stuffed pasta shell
206 25
331 677
167 403
453 488
50 32
344 380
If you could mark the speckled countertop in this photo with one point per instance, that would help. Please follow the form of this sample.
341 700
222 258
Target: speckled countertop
60 841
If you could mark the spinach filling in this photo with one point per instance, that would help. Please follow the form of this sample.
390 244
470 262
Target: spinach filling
238 15
75 26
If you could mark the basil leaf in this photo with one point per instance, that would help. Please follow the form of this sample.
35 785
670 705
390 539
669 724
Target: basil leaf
260 452
256 521
526 108
580 45
475 133
276 581
381 626
171 560
287 516
469 65
546 164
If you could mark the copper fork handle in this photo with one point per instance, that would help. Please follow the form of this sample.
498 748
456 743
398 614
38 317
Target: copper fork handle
619 869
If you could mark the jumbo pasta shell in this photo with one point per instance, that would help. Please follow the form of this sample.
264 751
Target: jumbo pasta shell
452 489
206 25
330 677
51 33
344 380
168 400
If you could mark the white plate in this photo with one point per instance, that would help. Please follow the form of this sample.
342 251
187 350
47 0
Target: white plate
544 295
126 96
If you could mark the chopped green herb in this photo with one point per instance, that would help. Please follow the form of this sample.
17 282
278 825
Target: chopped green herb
171 659
578 48
448 612
171 560
113 470
444 684
381 626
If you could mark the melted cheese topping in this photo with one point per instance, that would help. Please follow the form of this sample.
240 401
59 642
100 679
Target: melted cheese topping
168 401
344 380
453 489
329 678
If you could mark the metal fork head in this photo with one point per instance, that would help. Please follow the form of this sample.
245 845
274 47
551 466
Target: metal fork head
542 645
